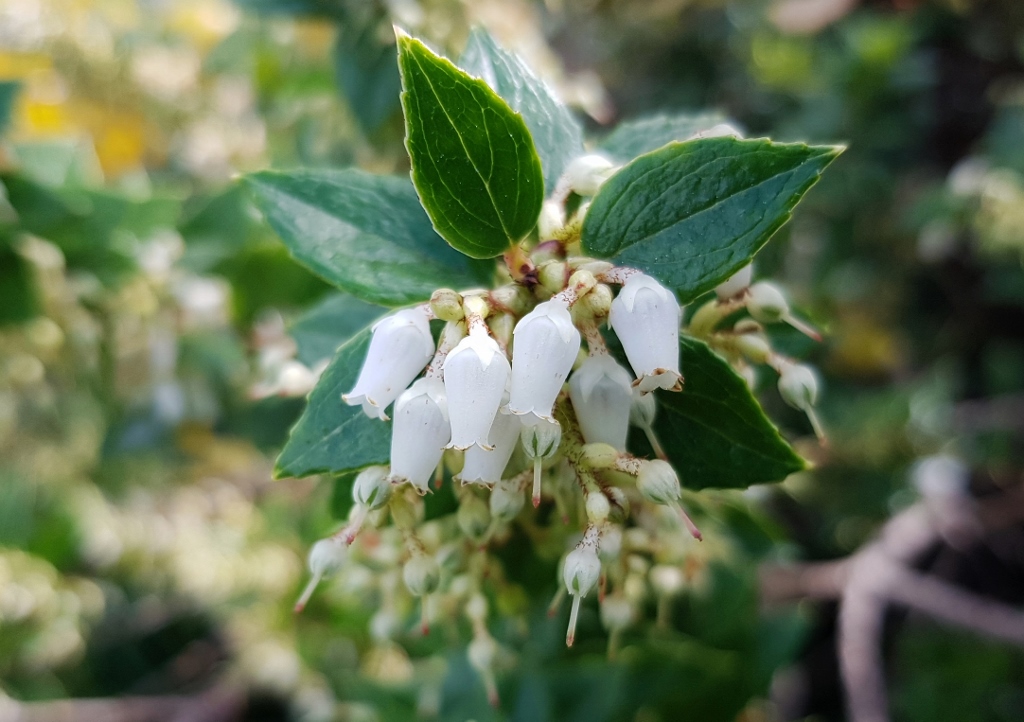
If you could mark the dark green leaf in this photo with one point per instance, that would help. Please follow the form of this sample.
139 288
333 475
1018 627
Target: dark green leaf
714 431
473 161
367 72
365 234
18 296
8 93
322 329
694 213
332 437
636 137
556 133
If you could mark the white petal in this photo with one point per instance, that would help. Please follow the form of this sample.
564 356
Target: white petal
645 316
475 375
601 395
543 352
399 349
420 432
486 467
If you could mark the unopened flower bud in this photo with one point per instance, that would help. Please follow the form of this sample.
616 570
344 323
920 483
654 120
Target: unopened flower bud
658 482
372 488
399 349
476 608
597 507
587 173
599 456
611 540
580 572
540 441
420 433
421 575
667 580
736 284
404 512
446 304
645 316
553 276
482 652
506 500
325 558
473 517
766 303
544 350
798 385
552 218
581 282
601 394
617 612
597 304
754 346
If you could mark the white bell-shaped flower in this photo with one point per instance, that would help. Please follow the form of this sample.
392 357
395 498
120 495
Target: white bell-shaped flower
645 316
485 466
401 346
420 433
475 375
736 284
601 394
544 349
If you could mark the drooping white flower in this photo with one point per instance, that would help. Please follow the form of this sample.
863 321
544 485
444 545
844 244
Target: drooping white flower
601 394
581 571
420 432
485 466
475 375
586 174
645 316
401 346
544 348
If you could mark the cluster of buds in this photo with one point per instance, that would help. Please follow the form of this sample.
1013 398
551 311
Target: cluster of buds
521 395
745 344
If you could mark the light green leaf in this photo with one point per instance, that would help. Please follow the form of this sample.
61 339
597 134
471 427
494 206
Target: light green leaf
556 133
473 161
636 137
694 213
8 94
331 436
366 234
714 431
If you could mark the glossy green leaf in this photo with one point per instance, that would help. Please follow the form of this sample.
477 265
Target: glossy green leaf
694 213
331 436
474 163
714 431
366 234
322 329
636 137
556 133
367 73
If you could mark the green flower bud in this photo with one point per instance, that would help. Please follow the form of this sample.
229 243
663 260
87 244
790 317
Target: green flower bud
446 304
658 482
507 500
473 516
599 456
766 303
798 385
372 488
553 276
597 507
421 575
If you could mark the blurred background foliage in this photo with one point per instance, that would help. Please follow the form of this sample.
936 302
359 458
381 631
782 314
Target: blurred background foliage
157 340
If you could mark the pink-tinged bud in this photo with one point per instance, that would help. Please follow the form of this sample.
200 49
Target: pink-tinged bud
601 394
646 316
475 375
400 348
421 431
485 466
543 351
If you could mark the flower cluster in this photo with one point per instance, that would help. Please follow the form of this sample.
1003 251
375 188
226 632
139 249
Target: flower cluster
531 389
